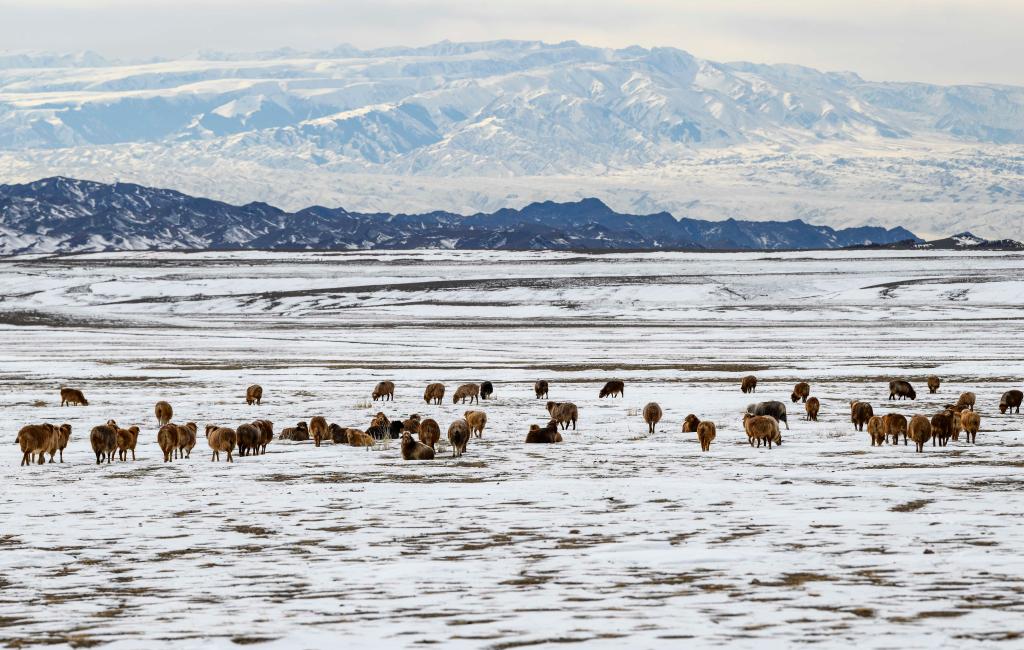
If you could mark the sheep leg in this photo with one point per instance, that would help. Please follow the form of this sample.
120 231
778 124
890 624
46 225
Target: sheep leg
24 459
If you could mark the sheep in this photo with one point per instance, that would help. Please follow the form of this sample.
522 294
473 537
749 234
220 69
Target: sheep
266 428
36 440
800 392
876 430
72 397
187 439
899 389
486 390
126 441
540 389
933 384
167 438
458 436
248 438
860 413
762 428
690 423
383 391
103 439
467 391
337 434
564 413
434 394
318 429
706 433
298 433
253 394
971 422
412 450
63 437
476 420
748 384
920 431
164 412
942 427
380 421
429 432
547 435
967 400
812 407
1011 400
220 439
652 415
395 429
412 423
895 424
775 409
357 438
614 388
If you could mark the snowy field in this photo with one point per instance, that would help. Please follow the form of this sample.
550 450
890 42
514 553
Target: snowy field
613 537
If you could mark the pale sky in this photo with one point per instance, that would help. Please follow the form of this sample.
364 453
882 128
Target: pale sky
939 41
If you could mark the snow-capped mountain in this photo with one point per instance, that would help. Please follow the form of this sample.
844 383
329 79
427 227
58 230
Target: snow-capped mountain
479 126
68 215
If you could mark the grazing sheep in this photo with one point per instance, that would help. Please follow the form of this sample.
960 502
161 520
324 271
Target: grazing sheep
1011 400
690 423
564 413
812 407
298 433
72 397
467 391
318 429
967 400
220 439
876 430
706 433
383 391
476 420
775 409
104 442
357 438
943 426
187 439
548 435
652 415
126 441
248 437
860 413
540 389
266 428
748 384
486 390
63 437
412 424
895 424
412 450
801 391
763 429
164 412
167 438
429 432
614 388
253 394
35 441
971 422
458 436
920 431
434 394
899 389
933 384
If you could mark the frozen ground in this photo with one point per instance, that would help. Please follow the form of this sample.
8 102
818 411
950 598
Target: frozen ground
611 538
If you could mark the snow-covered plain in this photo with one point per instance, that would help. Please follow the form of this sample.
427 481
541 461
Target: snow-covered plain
612 537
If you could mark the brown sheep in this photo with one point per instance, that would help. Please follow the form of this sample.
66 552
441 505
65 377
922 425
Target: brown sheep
187 439
253 394
895 424
971 422
337 434
298 433
429 432
762 428
614 388
540 389
476 420
705 434
357 438
412 450
933 384
72 397
248 438
266 428
967 400
860 413
876 429
548 435
691 423
104 442
1011 400
749 384
434 393
318 429
63 436
943 425
564 413
383 391
801 392
467 391
35 441
919 430
167 438
458 436
126 441
812 407
412 423
220 439
652 415
164 412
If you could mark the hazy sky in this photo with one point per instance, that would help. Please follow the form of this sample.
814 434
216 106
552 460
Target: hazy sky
942 41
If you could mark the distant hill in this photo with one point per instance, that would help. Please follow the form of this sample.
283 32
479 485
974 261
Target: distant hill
962 241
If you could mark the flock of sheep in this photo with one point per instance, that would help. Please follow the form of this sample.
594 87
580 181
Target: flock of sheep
760 422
